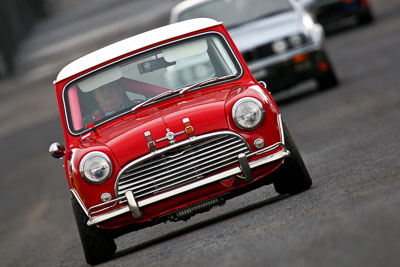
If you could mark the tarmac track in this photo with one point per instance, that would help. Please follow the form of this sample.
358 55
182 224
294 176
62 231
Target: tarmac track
348 136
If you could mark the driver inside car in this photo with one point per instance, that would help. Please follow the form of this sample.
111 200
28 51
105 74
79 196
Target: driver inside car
110 99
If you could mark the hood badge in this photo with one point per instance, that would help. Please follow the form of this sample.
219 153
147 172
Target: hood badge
170 136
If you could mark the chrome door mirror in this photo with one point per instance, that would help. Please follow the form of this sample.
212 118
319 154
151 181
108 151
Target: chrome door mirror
264 84
57 150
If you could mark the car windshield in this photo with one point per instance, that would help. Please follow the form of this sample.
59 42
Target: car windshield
162 72
236 12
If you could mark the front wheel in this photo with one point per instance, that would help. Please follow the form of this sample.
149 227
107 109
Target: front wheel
292 177
97 245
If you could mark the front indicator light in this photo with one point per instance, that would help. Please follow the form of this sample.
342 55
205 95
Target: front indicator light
106 197
300 58
259 143
248 113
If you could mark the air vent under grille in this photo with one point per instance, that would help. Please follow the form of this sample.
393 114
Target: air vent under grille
181 164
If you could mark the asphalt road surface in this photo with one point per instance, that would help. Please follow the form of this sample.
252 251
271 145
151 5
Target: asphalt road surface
349 138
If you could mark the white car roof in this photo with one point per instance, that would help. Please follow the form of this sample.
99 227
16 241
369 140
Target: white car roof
188 4
134 43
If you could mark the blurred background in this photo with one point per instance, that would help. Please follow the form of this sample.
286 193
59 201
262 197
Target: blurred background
349 137
17 18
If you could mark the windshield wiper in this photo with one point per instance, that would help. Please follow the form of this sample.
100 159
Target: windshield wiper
212 80
154 98
181 92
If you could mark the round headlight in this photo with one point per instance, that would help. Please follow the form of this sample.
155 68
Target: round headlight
295 40
279 46
95 167
248 113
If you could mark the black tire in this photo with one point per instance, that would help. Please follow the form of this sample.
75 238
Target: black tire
366 17
97 245
292 177
327 79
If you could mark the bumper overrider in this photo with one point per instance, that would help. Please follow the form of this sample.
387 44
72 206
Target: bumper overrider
247 162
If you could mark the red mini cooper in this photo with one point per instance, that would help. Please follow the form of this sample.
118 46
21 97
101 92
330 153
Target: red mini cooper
164 125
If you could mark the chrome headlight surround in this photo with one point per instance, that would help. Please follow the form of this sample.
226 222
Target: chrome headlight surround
248 113
295 40
95 167
279 46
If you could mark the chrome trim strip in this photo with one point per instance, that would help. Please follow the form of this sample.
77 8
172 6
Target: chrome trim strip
107 216
240 74
98 211
265 150
280 125
115 201
220 176
77 197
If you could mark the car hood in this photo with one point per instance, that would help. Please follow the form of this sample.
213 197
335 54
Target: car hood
266 30
126 139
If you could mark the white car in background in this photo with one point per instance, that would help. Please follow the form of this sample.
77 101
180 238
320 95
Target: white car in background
278 39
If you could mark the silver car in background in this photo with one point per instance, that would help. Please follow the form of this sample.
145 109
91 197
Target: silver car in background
278 39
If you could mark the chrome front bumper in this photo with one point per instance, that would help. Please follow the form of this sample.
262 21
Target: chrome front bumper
134 206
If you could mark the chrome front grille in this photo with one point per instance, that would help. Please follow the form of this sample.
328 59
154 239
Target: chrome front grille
180 164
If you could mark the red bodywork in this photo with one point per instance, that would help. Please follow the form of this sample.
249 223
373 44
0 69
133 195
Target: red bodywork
122 139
